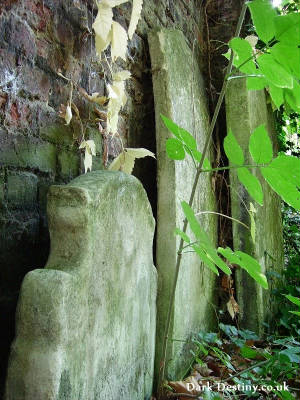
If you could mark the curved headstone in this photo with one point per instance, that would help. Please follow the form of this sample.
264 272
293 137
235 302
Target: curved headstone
86 323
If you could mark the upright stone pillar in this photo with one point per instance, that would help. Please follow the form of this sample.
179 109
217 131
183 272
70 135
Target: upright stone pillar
86 323
245 111
179 94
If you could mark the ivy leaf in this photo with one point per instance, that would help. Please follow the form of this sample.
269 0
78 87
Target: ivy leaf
118 41
206 260
292 96
288 56
229 254
288 167
274 72
199 233
251 183
102 26
135 16
182 234
276 94
256 82
233 150
283 181
125 161
68 115
242 53
260 146
89 151
175 149
253 268
287 28
263 14
180 133
197 156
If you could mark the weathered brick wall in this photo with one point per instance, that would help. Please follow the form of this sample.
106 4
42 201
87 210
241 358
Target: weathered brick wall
38 39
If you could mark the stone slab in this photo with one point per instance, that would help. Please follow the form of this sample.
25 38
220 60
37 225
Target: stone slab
86 322
179 94
246 110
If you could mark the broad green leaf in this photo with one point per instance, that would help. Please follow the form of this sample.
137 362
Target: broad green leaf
182 234
288 55
212 253
242 54
295 312
180 133
197 156
260 146
276 94
233 150
274 72
263 14
286 190
293 299
175 149
207 261
195 226
229 254
287 28
251 183
288 167
247 352
253 268
292 96
256 83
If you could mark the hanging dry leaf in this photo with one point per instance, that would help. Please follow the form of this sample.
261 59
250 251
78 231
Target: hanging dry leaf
118 41
102 26
135 16
125 161
68 115
232 307
89 151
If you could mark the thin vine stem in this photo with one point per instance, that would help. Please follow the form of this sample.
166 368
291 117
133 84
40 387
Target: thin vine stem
185 223
223 215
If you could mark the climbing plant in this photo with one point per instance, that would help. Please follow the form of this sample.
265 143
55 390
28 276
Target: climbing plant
270 59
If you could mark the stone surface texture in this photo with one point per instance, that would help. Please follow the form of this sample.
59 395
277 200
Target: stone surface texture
38 39
246 110
86 323
180 95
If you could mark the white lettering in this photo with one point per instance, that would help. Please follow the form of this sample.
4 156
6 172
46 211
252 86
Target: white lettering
190 386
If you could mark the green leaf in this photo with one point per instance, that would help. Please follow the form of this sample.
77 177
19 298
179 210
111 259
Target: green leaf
292 96
256 83
293 299
251 183
233 150
260 146
276 94
197 156
212 253
263 14
287 191
247 352
295 312
195 226
253 268
180 133
175 149
274 72
207 261
287 28
182 234
229 254
288 167
242 54
288 55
